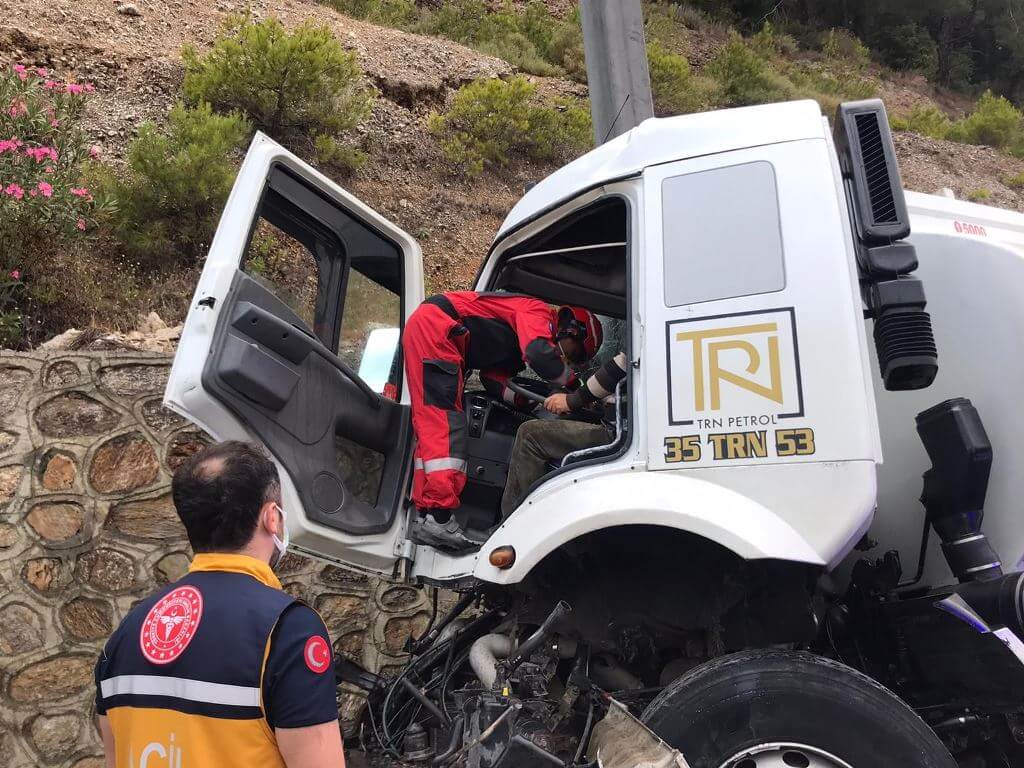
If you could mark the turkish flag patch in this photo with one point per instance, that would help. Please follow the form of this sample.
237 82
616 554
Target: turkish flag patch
171 624
317 654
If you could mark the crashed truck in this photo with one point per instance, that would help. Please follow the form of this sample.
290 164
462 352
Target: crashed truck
736 569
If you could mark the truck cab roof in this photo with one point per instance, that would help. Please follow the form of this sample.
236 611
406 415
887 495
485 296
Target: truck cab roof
664 140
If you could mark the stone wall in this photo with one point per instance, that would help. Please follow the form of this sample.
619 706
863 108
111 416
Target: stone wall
87 529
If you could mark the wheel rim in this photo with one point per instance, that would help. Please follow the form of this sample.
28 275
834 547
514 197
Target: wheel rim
784 755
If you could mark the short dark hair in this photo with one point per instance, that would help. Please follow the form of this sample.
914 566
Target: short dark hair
218 493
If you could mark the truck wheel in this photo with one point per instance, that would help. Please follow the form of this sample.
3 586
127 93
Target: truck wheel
783 709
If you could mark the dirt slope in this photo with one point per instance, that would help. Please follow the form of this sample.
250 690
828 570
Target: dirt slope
134 61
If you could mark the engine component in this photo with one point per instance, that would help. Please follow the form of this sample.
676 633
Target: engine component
484 655
955 486
904 340
417 743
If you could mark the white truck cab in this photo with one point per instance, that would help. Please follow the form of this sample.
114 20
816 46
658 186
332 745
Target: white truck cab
733 256
718 243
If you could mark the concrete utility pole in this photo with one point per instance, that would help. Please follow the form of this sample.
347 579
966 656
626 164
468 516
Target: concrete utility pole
617 74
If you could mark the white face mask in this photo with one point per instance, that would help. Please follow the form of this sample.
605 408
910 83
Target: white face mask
279 545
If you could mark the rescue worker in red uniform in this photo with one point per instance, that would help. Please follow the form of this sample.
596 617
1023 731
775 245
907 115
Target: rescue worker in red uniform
498 335
222 668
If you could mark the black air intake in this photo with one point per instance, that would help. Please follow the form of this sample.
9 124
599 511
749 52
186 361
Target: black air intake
903 331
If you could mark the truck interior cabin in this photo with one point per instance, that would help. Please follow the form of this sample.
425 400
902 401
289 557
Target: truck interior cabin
579 259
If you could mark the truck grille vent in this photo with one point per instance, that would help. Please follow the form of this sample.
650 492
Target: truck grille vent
876 169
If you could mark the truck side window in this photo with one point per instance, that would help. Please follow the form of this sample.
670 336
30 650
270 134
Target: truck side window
722 234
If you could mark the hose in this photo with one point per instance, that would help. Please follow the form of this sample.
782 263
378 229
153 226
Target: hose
484 655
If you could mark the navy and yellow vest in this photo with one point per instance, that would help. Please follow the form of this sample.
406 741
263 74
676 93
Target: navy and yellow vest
181 678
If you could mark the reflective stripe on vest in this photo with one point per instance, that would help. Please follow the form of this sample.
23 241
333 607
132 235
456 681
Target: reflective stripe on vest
440 465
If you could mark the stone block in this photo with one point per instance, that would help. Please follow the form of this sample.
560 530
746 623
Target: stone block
74 414
339 609
160 419
90 762
45 574
184 445
8 535
399 598
7 440
59 471
62 373
57 522
86 618
13 384
57 677
334 575
123 463
399 628
171 567
153 519
21 630
131 380
106 569
10 480
55 736
351 644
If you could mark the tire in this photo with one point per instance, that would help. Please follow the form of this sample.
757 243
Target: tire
742 710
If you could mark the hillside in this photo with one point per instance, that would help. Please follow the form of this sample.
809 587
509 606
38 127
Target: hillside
131 51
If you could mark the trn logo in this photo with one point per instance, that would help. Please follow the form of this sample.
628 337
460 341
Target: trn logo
729 366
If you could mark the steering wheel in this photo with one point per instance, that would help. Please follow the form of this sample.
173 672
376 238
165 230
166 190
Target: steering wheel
522 391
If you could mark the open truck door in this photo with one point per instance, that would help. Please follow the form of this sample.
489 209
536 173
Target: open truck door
291 341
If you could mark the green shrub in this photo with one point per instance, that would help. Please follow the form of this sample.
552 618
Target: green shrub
491 121
842 44
178 181
566 47
994 121
769 43
675 89
1015 182
293 85
745 78
522 39
927 121
393 13
907 46
978 195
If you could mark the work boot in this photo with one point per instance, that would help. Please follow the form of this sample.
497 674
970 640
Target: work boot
448 536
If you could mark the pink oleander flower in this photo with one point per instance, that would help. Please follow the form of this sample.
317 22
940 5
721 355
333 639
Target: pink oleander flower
42 72
45 189
94 151
81 224
21 71
13 190
80 192
49 169
54 123
17 108
53 85
41 154
89 87
9 145
75 89
16 274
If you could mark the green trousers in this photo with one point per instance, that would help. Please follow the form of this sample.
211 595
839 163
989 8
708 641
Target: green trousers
540 442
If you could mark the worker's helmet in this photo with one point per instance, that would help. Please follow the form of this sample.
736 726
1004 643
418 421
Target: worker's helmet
582 324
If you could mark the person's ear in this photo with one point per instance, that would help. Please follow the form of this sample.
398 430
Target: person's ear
270 518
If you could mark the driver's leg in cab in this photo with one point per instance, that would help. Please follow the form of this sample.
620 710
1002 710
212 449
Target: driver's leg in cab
538 444
541 443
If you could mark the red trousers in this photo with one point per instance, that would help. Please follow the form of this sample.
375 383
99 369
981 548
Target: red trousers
434 347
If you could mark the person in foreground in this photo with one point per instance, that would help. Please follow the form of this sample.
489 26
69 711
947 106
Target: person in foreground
222 668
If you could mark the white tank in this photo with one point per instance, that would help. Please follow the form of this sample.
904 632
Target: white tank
972 265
